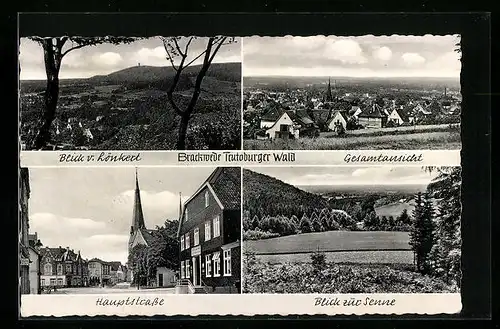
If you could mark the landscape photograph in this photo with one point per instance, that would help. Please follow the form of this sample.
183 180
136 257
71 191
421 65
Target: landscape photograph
124 230
122 93
351 229
342 93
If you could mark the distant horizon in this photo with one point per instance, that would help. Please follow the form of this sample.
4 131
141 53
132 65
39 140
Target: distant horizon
89 77
351 77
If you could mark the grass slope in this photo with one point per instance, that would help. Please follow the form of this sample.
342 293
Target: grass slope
423 140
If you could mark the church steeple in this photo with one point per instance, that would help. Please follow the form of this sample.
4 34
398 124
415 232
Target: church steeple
329 96
137 216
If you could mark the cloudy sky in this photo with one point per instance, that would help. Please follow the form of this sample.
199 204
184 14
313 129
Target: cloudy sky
90 209
348 175
363 56
106 58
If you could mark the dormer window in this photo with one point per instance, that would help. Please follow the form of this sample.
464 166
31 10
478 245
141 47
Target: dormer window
207 199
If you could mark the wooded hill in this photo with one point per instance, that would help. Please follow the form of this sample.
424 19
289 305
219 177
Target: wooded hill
267 196
138 77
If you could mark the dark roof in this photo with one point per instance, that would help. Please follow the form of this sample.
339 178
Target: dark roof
371 111
115 266
273 112
353 109
147 234
404 113
226 184
300 116
59 253
321 114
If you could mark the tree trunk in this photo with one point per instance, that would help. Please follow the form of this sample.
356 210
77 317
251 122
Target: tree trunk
52 64
181 139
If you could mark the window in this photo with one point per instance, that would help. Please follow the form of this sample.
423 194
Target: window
188 243
60 281
186 215
227 262
188 269
216 259
182 270
42 282
53 282
207 199
208 266
196 236
208 232
68 268
47 269
182 243
59 269
216 227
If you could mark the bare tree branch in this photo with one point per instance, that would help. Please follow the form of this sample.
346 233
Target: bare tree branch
220 43
169 55
73 48
194 59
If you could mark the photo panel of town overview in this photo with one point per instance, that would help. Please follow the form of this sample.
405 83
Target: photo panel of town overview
122 230
344 230
122 93
347 93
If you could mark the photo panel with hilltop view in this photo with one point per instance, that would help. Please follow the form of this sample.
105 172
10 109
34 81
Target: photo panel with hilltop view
350 93
130 93
348 230
121 230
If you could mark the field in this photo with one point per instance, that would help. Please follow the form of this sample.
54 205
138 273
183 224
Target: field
394 209
421 137
378 262
331 241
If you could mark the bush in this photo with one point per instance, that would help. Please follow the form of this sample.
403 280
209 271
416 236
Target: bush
318 261
258 235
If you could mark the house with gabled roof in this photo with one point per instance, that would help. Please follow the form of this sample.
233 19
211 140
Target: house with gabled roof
210 235
401 115
283 122
61 267
372 116
338 118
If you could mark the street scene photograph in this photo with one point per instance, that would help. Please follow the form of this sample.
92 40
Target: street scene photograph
350 230
123 93
347 93
119 230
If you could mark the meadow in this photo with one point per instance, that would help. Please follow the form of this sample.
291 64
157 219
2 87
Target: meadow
331 241
294 278
394 209
419 137
359 257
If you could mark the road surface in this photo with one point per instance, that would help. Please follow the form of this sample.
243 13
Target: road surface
109 290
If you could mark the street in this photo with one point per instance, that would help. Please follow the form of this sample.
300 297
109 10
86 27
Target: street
109 290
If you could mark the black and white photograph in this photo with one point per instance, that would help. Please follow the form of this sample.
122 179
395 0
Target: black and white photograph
123 93
346 230
348 93
122 230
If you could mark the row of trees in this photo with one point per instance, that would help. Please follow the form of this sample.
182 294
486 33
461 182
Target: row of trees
435 236
401 223
320 221
161 251
317 221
